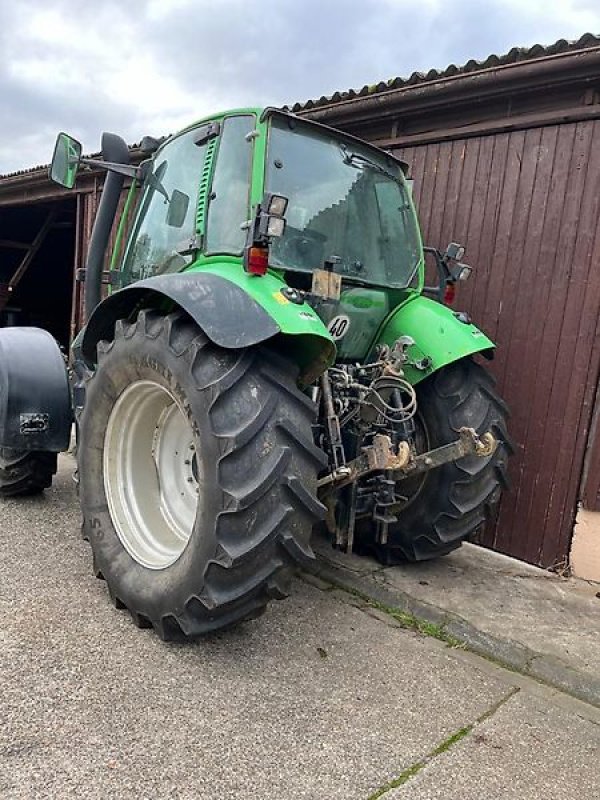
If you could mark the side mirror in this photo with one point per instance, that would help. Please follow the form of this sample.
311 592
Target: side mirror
65 161
178 207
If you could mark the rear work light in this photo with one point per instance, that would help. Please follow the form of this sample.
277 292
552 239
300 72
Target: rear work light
276 204
257 260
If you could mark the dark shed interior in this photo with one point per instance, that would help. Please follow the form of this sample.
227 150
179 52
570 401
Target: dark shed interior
37 251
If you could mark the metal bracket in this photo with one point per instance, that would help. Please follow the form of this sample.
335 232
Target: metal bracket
334 434
376 457
189 247
110 277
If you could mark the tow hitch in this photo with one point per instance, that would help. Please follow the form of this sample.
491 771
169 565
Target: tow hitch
403 463
383 467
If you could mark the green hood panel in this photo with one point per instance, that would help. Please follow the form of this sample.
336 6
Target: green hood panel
440 337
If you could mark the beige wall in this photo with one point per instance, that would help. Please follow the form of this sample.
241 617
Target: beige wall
585 548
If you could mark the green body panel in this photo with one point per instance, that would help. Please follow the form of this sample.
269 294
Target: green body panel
292 319
439 336
365 309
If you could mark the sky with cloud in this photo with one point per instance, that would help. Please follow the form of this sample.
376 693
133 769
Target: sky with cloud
152 66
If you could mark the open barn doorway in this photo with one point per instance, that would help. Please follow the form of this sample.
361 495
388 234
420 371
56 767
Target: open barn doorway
37 255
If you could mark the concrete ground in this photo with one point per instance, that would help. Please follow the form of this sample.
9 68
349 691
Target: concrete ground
323 697
532 620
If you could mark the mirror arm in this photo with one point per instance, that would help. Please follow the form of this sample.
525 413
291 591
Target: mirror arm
123 169
129 171
443 273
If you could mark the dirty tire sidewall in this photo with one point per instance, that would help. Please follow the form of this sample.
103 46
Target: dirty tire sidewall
253 522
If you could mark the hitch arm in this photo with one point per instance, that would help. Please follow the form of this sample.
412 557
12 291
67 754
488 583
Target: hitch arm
380 457
469 443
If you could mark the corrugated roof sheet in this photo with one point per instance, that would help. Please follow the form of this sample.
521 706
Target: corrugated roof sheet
27 171
513 56
45 167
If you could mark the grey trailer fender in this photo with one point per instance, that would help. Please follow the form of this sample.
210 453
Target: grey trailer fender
35 398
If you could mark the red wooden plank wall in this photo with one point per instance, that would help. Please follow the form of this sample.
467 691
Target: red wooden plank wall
87 209
526 205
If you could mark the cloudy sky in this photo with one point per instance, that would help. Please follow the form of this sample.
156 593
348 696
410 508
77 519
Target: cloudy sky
141 67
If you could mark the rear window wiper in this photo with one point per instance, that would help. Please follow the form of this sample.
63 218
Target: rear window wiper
357 160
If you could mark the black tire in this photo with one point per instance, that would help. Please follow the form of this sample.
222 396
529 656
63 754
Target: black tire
253 434
451 503
25 473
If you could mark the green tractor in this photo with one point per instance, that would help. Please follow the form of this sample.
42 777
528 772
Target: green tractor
266 362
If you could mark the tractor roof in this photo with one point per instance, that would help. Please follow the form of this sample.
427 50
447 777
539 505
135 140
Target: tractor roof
264 112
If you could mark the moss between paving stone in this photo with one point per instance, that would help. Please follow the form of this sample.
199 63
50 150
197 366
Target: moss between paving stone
411 771
403 618
443 747
437 631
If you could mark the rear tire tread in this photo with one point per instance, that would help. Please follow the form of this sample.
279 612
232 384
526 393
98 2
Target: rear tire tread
25 473
244 574
469 489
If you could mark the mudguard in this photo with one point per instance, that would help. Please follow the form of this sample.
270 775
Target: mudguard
35 399
440 336
234 312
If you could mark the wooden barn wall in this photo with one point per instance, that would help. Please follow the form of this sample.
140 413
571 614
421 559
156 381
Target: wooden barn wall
526 205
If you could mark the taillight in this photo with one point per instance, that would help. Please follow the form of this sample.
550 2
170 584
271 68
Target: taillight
449 294
257 260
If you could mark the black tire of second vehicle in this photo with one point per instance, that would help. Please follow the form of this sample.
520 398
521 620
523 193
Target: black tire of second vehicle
455 500
259 464
25 473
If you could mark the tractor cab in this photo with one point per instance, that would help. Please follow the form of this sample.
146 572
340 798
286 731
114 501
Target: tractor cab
344 208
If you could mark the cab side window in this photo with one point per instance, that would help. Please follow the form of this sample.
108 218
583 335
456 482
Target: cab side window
228 209
159 233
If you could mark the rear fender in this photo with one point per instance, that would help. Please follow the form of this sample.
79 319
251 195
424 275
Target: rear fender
234 314
440 336
35 398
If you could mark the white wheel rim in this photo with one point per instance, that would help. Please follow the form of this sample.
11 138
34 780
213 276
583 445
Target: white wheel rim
151 474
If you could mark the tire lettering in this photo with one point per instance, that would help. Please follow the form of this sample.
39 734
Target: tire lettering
95 526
